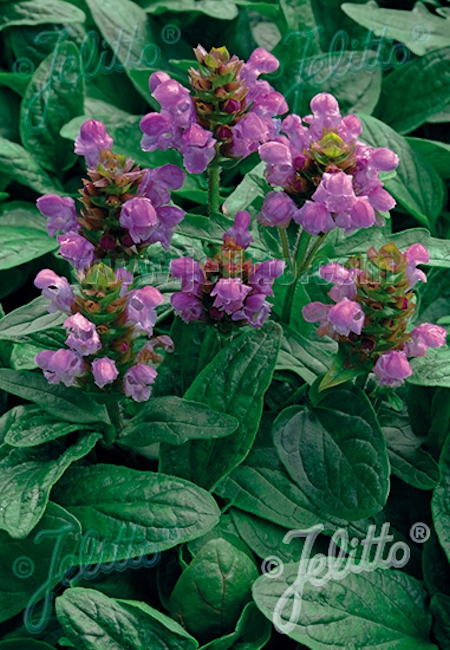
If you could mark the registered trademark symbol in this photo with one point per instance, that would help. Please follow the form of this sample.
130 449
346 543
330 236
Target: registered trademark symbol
171 34
420 532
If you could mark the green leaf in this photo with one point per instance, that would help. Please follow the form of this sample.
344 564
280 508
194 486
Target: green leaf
408 460
214 8
234 383
54 96
417 186
433 369
306 357
140 512
92 620
440 608
252 632
28 12
17 82
419 29
26 478
415 91
440 505
336 453
32 317
175 420
20 245
23 215
21 165
69 404
211 593
434 153
372 610
31 567
31 426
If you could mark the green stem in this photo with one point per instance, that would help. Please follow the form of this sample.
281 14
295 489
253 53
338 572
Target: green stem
285 246
361 381
213 190
115 414
301 247
304 266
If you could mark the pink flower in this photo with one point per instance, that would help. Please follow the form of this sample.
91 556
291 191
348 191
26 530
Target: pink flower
230 294
104 371
416 254
77 250
139 216
60 212
277 210
238 232
141 308
56 289
343 278
187 306
392 368
346 316
137 382
424 336
83 337
315 218
93 138
198 148
60 366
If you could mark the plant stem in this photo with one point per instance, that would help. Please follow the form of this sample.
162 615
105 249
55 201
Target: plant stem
285 246
302 267
361 381
115 414
213 190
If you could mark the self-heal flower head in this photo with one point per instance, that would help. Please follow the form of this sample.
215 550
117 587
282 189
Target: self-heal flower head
77 250
92 139
138 381
238 234
104 371
230 294
60 212
424 336
83 336
141 308
61 366
392 369
139 216
346 316
56 289
188 306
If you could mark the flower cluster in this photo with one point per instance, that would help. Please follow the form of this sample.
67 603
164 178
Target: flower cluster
373 304
328 177
125 208
230 112
228 289
105 320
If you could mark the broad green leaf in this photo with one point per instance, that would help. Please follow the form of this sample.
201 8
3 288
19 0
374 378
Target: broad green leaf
69 404
22 214
140 512
17 82
24 644
26 478
408 460
23 353
124 26
20 245
175 420
414 91
440 505
214 8
31 567
433 369
54 96
252 632
435 567
21 165
266 539
419 29
373 610
226 530
306 357
417 186
31 426
211 593
39 13
32 317
92 620
440 608
434 153
336 453
234 383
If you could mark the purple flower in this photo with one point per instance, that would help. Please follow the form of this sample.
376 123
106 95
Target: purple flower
392 368
104 371
83 337
156 79
264 274
160 132
189 272
238 232
93 138
424 336
416 254
255 310
77 250
343 278
187 306
325 115
277 210
137 382
280 170
60 212
230 294
346 316
315 218
56 289
141 308
139 216
198 148
383 159
60 366
127 280
248 134
176 100
157 181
